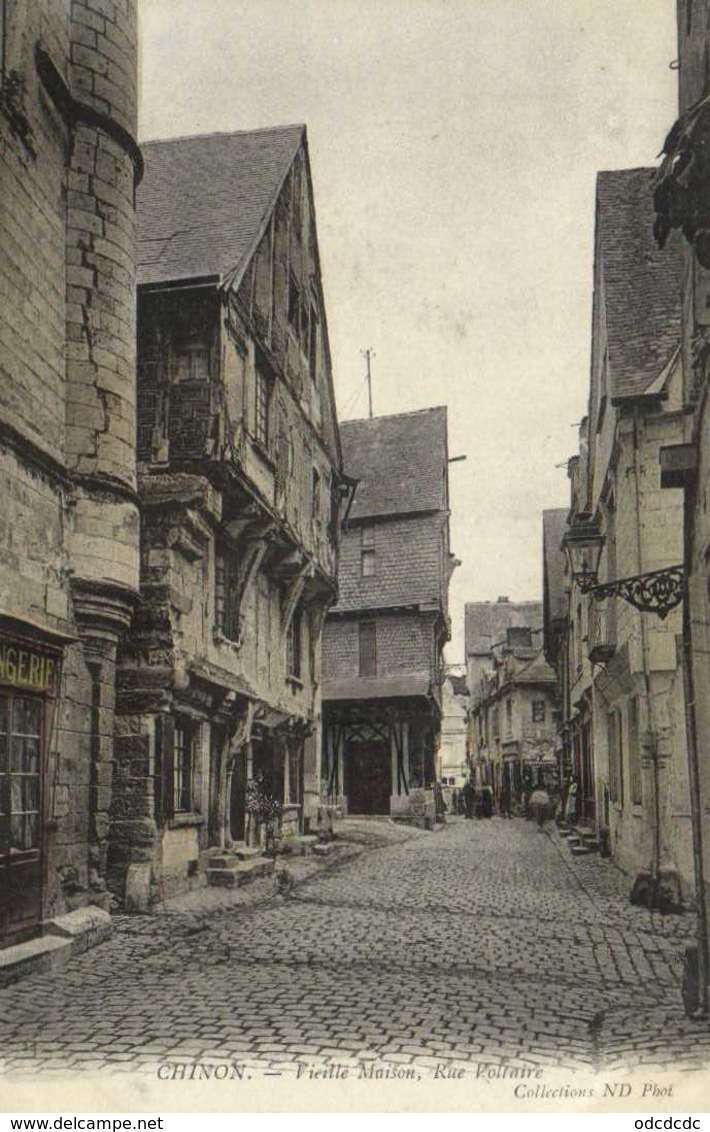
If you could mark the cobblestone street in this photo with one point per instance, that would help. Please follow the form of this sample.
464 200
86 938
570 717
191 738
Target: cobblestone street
484 943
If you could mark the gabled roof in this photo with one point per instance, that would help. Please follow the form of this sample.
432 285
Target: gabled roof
487 621
203 201
641 284
554 524
398 461
535 671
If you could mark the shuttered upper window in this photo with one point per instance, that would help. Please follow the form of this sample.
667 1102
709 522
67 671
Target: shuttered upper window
368 648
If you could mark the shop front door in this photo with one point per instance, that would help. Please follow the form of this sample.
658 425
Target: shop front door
368 774
21 726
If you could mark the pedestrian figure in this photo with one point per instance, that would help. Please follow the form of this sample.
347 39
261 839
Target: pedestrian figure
486 802
540 802
571 804
439 803
469 798
505 801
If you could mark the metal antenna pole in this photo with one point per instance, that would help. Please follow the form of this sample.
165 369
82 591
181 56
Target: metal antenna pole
368 354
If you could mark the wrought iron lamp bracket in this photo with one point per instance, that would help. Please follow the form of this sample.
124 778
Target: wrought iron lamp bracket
657 592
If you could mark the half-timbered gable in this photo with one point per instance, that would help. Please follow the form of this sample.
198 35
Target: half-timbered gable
240 477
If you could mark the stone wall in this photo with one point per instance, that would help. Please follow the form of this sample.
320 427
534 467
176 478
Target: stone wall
67 462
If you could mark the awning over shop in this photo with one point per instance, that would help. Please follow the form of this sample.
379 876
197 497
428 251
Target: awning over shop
413 684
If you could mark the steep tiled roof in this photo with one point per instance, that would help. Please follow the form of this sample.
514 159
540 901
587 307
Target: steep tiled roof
487 621
641 283
554 523
203 200
399 462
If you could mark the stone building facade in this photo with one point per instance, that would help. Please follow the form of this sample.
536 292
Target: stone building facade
680 199
239 472
69 527
513 717
452 768
383 640
624 724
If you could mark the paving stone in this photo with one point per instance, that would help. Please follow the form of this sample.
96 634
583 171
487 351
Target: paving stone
486 943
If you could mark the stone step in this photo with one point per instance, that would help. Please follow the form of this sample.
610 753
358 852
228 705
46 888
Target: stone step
582 850
237 873
323 848
222 858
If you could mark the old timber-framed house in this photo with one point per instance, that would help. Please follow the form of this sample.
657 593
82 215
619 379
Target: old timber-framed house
240 485
383 641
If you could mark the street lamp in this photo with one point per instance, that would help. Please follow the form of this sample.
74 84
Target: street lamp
658 591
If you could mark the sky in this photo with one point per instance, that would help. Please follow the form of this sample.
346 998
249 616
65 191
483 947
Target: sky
454 146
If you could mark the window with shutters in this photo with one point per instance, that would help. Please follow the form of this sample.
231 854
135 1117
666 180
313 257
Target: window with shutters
635 777
368 560
615 757
538 711
262 408
183 767
226 596
294 305
368 648
190 362
316 501
293 646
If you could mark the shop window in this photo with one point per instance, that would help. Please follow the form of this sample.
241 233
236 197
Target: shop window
293 646
184 766
20 749
262 408
368 561
226 597
368 648
538 711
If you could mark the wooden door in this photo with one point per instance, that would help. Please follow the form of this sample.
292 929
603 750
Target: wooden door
368 775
